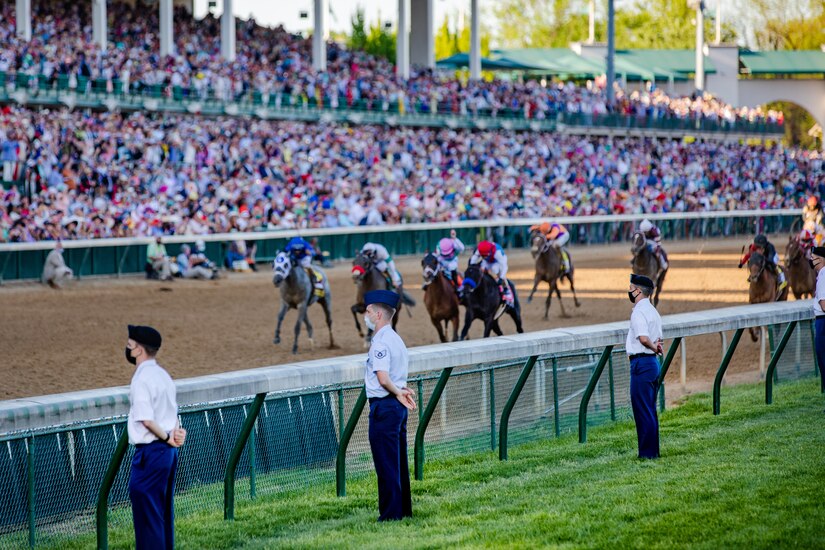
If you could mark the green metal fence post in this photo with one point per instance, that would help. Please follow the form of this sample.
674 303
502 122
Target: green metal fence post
79 271
556 419
671 353
234 458
775 361
492 410
341 458
30 481
122 260
720 374
340 412
612 388
504 426
252 476
425 421
588 392
420 385
106 488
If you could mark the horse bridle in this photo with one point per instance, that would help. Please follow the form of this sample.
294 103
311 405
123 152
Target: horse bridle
546 242
430 274
754 278
367 268
283 267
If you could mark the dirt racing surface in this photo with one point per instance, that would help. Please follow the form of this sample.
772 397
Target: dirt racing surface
57 341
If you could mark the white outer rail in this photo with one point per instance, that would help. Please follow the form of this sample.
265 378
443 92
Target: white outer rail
308 233
50 410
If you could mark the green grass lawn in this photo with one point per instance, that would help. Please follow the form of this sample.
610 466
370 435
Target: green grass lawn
752 477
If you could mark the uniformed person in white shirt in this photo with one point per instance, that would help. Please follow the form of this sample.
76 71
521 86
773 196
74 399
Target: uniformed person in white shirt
817 261
390 400
644 343
154 431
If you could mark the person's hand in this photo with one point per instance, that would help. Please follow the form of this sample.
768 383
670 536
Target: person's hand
407 398
660 348
177 437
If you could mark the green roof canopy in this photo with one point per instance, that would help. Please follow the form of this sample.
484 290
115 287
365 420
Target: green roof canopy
783 62
498 64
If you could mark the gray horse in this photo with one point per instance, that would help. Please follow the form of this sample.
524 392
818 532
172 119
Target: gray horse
646 263
297 293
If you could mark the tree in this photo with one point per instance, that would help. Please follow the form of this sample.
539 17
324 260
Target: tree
358 37
376 40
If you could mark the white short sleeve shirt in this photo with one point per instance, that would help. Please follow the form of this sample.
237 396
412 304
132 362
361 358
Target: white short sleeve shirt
152 396
820 292
644 321
389 354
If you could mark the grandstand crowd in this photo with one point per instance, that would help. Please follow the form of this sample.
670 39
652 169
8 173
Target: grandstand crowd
110 174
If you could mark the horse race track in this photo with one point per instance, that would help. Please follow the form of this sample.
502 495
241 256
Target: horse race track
73 339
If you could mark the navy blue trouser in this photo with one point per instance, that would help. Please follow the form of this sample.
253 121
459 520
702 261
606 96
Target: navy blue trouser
152 491
644 383
819 343
388 442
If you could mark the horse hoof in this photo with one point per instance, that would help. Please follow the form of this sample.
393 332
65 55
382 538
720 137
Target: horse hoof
530 299
276 340
312 343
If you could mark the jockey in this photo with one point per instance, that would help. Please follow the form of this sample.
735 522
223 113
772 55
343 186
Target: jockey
383 262
557 236
812 217
766 248
654 241
492 259
447 253
301 252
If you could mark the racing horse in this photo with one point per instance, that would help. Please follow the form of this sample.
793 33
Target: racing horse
482 300
297 292
367 277
762 285
801 276
548 269
440 297
646 263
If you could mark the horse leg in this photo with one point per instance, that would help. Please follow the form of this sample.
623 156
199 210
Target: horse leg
561 304
302 313
488 326
496 327
515 313
356 309
281 315
454 321
468 320
309 326
437 325
573 290
328 314
533 291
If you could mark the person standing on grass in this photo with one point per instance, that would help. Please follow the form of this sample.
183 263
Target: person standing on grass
390 400
154 431
817 261
644 343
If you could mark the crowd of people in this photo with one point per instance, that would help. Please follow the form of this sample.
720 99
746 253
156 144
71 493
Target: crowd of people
92 175
275 66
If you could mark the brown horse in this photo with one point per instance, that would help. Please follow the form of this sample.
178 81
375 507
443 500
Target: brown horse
646 263
763 287
548 269
440 297
801 276
367 277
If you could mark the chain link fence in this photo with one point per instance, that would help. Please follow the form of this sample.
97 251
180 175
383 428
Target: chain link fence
50 479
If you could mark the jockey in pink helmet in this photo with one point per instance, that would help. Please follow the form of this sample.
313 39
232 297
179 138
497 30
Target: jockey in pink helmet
447 253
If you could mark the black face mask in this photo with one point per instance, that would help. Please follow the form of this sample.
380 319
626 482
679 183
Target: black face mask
129 357
632 298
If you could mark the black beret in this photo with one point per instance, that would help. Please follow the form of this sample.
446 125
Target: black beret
386 297
641 280
146 336
819 251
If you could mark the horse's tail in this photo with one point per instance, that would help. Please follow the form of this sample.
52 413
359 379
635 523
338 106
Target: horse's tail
407 300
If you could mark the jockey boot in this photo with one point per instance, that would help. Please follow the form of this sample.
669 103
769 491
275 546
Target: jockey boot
565 262
781 282
504 291
662 256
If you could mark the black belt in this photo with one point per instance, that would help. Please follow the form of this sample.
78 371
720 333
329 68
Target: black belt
820 316
640 355
374 399
142 445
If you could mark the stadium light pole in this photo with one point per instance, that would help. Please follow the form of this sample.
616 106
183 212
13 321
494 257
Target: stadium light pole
23 16
167 42
475 41
99 23
319 45
228 31
402 40
591 24
699 6
611 49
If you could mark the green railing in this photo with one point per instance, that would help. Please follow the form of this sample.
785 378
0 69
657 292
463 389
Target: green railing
123 256
64 481
94 93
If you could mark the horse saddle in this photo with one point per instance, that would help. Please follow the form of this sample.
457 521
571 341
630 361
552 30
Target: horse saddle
317 282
